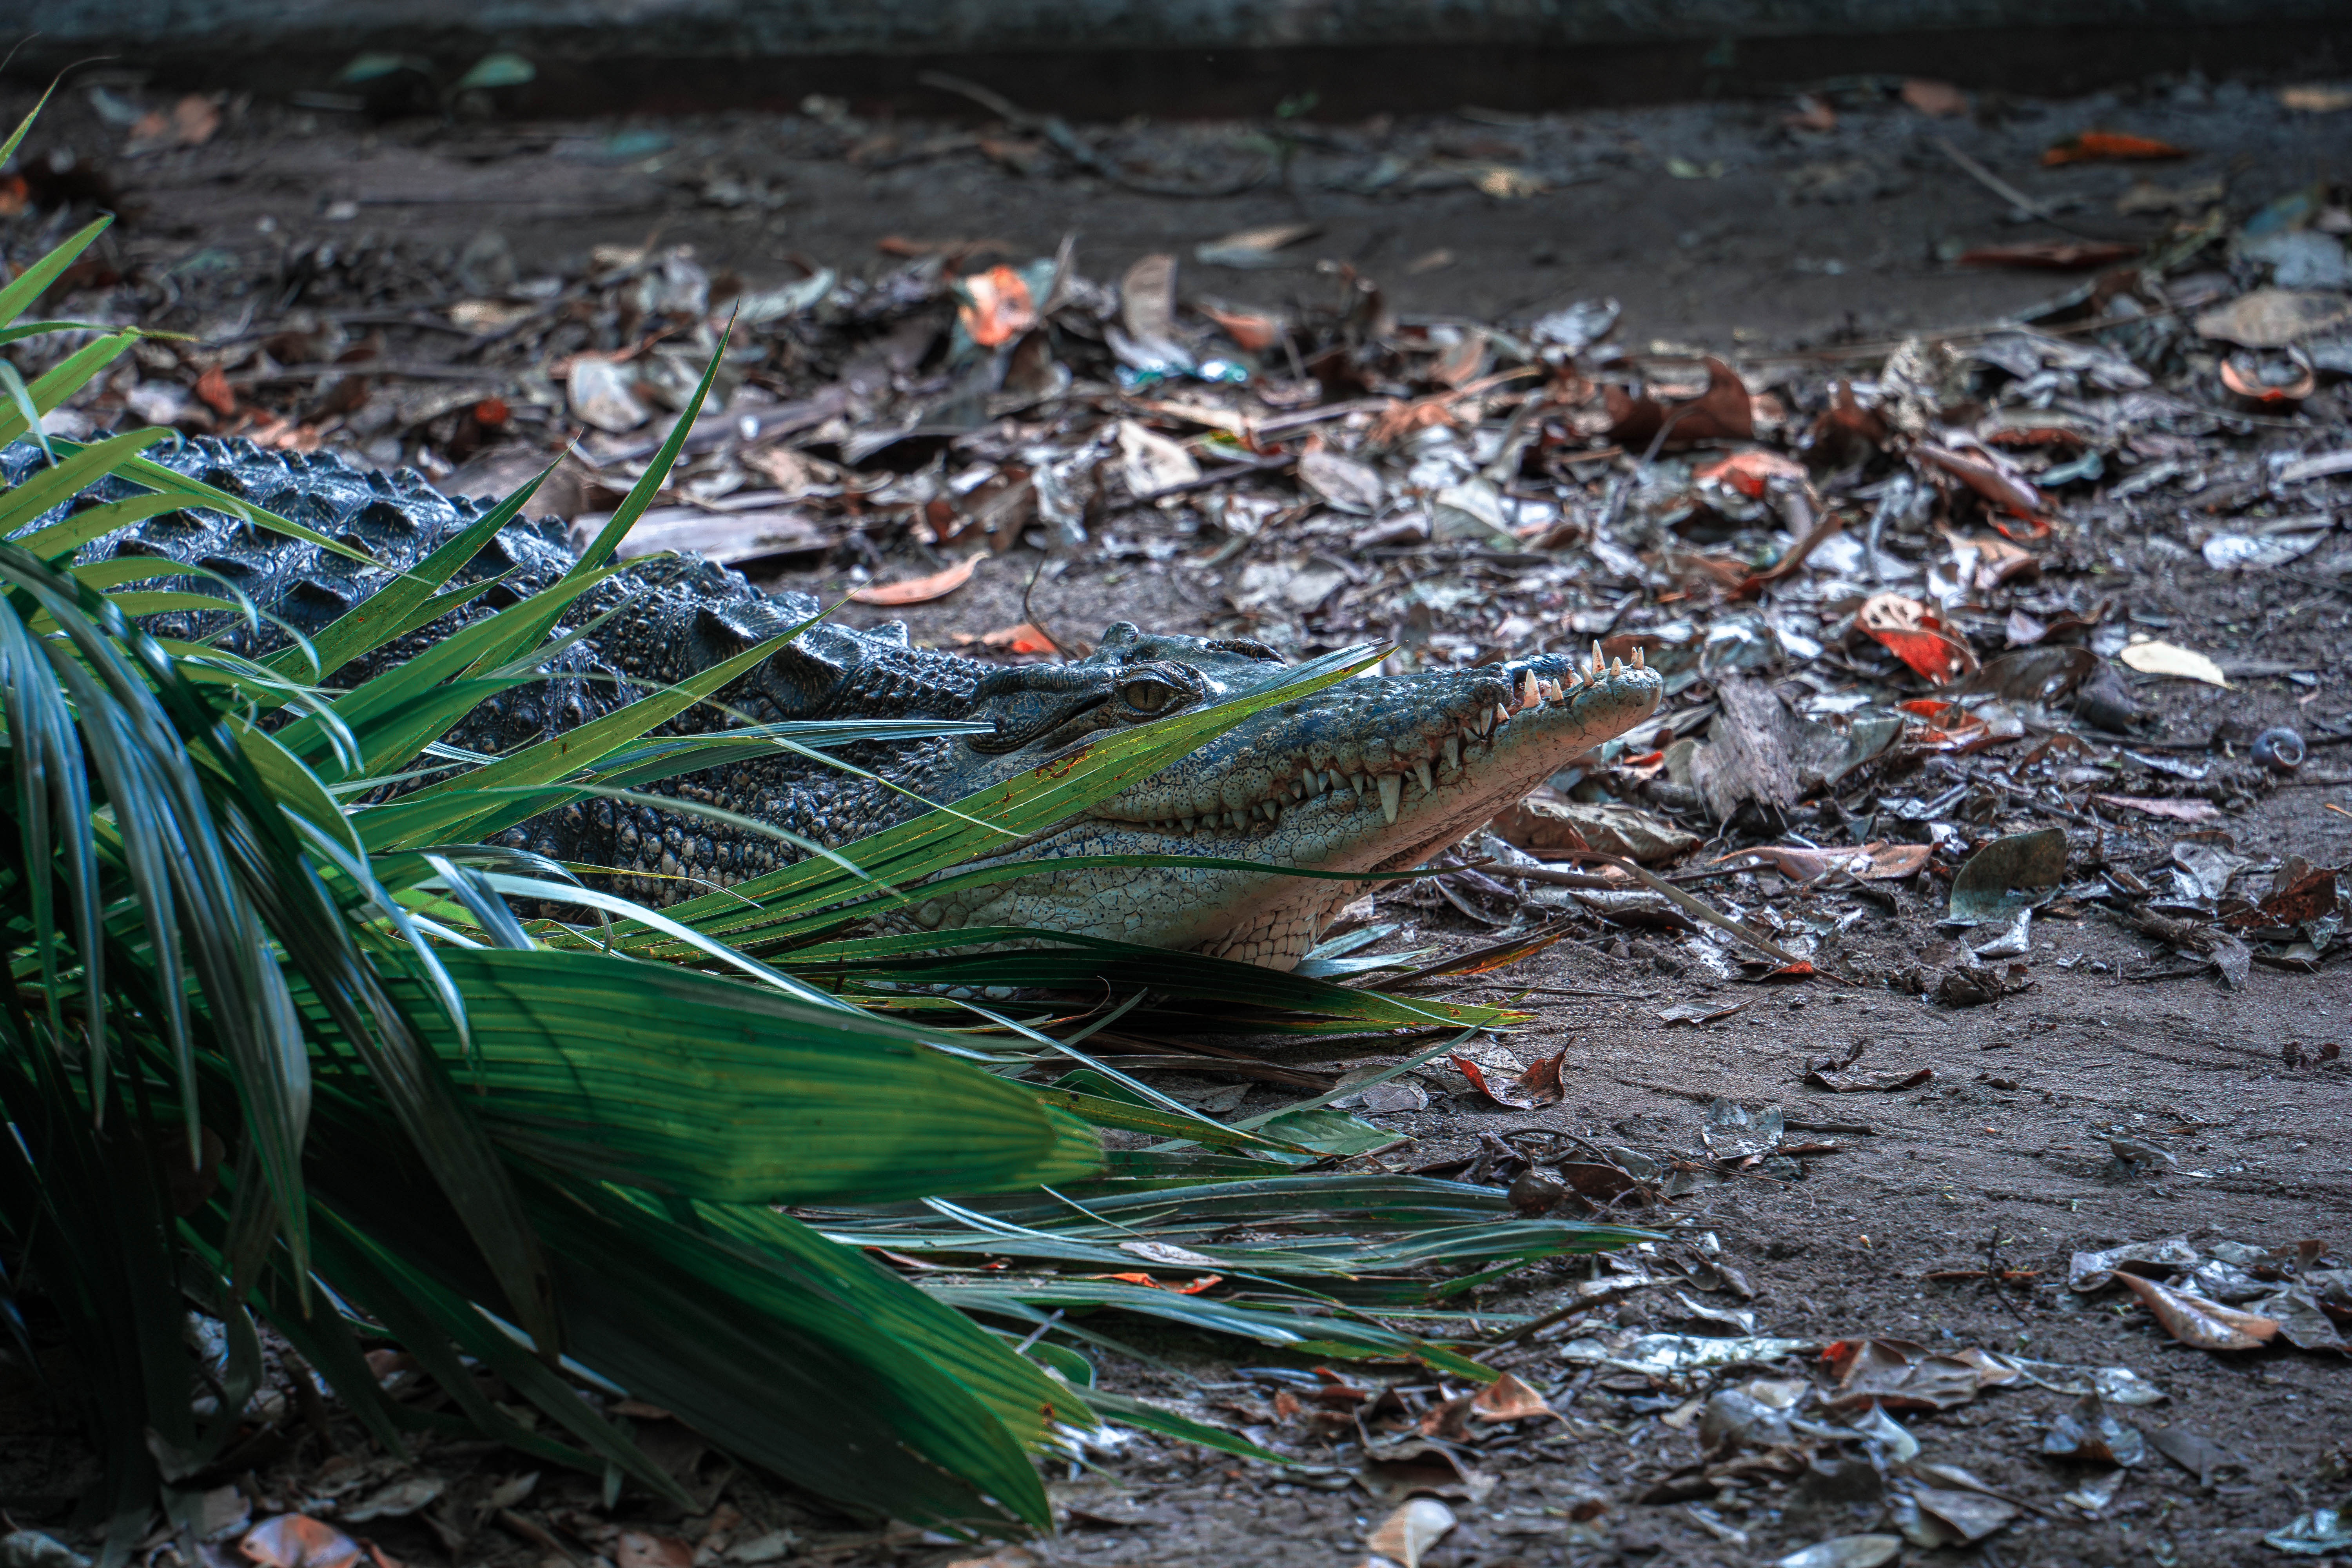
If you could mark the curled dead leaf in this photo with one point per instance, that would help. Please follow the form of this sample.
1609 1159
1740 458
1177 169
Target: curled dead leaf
1538 1086
1409 1531
919 590
1509 1399
2194 1320
1917 635
995 306
298 1541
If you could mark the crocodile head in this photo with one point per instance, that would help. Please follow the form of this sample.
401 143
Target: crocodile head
1370 774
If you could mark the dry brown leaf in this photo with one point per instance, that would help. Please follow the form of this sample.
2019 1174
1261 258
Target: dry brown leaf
1915 635
1147 298
1937 100
1344 483
1538 1087
1411 1530
643 1549
2275 318
2194 1320
919 590
2315 98
2187 810
1509 1399
298 1541
996 307
2169 659
1150 462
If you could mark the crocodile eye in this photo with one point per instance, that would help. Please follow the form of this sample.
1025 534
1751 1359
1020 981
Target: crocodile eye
1150 696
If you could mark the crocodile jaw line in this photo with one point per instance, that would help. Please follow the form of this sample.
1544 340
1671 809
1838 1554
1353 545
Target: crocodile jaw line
1371 774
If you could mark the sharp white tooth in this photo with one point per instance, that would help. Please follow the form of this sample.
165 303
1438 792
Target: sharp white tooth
1530 692
1452 753
1273 812
1356 783
1637 657
1420 771
1191 823
1391 794
1325 780
1502 714
1596 658
1616 666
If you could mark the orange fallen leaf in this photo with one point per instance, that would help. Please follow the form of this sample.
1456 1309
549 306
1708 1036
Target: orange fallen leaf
2194 1320
298 1541
996 306
1204 1282
919 590
1026 637
213 392
1250 329
1538 1087
2096 145
1751 473
2253 391
1509 1399
1915 635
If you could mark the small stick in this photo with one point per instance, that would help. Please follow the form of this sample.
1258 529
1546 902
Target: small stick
2004 190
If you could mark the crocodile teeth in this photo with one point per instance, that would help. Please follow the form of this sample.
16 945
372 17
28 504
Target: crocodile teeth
1191 823
1452 753
1356 783
1616 666
1502 714
1637 657
1391 794
1530 690
1420 771
1596 658
1298 790
1274 811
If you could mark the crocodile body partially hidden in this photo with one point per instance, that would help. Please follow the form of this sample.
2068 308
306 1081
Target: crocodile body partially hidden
1374 774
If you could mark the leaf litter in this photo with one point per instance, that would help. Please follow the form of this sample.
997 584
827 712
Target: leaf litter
1893 566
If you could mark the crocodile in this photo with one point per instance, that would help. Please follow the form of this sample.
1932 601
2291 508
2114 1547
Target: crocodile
1374 774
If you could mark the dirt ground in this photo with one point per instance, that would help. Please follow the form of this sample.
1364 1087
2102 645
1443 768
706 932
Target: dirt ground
1783 241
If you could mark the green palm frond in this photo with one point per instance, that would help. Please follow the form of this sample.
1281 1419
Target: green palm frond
281 1050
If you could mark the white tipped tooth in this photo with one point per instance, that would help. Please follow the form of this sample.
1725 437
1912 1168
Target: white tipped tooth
1530 690
1502 714
1616 666
1637 657
1391 794
1356 783
1452 753
1274 811
1552 692
1421 772
1596 658
1191 823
